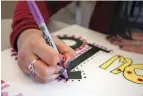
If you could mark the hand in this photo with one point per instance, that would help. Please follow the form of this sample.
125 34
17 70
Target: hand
31 46
135 45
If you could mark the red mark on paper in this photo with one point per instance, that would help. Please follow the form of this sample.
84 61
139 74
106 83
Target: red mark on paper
4 93
139 79
2 82
119 70
119 56
129 72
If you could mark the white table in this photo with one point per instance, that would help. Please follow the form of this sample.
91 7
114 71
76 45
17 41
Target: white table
99 81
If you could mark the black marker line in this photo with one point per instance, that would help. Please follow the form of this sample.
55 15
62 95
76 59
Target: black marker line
74 75
82 58
85 56
78 41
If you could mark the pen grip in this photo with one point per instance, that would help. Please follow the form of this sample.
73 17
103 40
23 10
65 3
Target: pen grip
47 36
48 41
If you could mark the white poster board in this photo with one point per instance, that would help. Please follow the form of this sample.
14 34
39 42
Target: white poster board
113 73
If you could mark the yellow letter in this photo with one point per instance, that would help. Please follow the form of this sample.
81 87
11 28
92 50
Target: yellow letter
126 63
130 74
110 61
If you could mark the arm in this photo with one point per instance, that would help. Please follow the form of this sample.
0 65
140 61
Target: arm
31 46
134 45
23 19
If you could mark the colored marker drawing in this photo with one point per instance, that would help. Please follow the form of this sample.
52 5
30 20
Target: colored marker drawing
85 50
127 67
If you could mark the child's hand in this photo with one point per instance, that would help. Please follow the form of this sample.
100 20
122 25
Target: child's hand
31 46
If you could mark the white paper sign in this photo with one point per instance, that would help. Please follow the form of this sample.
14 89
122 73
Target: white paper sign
113 73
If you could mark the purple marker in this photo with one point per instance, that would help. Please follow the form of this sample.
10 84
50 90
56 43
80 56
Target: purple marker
40 22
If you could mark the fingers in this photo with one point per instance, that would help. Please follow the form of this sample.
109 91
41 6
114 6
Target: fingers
38 79
68 59
63 48
45 52
48 79
134 35
47 73
121 42
43 72
45 67
137 35
41 48
133 49
127 45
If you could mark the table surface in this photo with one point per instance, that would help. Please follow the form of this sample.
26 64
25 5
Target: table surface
99 81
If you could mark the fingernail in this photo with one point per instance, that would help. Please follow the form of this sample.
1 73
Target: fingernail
63 60
68 64
61 71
